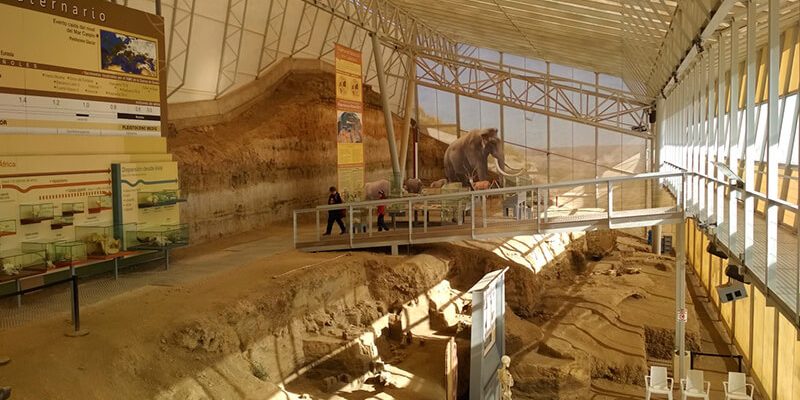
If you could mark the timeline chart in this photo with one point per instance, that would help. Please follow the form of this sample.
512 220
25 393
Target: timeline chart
81 68
23 114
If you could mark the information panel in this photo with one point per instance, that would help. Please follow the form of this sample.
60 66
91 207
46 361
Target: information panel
349 125
86 67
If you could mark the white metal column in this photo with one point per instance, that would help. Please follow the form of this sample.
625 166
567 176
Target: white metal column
773 142
733 156
722 141
750 139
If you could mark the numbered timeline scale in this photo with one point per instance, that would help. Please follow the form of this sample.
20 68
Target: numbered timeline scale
53 115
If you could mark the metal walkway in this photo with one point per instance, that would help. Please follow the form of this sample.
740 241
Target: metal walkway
536 209
494 213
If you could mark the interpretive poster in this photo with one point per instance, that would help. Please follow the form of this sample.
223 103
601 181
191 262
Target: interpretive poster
149 193
349 125
87 67
41 204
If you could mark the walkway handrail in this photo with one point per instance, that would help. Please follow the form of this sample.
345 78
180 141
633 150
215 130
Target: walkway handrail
756 194
499 191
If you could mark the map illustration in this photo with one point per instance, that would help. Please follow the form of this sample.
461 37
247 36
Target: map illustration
128 54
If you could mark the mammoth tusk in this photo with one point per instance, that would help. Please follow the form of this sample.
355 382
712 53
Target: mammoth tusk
501 171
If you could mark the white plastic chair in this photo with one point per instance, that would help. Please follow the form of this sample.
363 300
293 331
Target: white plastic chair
658 383
694 386
736 388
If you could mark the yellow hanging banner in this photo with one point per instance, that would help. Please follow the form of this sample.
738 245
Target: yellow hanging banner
349 126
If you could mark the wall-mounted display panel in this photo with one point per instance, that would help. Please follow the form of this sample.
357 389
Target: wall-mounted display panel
80 68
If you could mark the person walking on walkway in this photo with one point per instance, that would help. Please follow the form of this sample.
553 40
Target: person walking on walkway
382 213
335 215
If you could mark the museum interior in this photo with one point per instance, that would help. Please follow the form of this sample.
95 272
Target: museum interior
399 199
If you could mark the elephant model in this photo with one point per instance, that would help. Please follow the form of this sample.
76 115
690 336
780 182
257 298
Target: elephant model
371 189
413 185
468 156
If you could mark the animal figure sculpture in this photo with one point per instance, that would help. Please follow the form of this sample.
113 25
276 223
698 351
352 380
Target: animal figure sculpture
371 189
438 184
479 185
413 185
471 153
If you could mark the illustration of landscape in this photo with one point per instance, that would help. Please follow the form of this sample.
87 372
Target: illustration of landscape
128 54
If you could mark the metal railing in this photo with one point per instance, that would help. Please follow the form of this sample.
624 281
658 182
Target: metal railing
494 212
781 282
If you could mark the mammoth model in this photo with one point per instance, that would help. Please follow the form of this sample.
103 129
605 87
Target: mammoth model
468 156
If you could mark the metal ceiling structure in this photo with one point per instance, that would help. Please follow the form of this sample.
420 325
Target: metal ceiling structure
215 47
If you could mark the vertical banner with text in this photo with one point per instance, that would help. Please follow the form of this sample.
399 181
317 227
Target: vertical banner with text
349 127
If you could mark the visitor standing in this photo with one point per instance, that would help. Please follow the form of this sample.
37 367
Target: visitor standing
335 215
382 213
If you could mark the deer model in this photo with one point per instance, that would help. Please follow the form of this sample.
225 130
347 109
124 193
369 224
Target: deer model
481 185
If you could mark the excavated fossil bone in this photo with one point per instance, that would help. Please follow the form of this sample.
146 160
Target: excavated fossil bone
11 269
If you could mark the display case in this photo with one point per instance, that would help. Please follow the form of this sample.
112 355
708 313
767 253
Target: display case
69 209
8 227
48 246
98 204
16 264
158 199
61 221
102 240
69 253
35 213
158 236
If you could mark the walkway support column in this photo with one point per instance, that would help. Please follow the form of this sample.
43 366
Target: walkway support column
387 114
680 297
410 96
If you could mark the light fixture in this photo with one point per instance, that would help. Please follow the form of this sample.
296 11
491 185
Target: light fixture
737 272
712 248
731 291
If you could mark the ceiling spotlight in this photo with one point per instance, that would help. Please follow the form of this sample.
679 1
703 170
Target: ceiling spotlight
712 248
737 273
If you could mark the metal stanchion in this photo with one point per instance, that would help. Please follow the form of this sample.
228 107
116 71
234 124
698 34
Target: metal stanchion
19 295
76 310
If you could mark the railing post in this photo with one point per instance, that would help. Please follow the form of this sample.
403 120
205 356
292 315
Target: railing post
538 211
350 226
546 203
369 220
317 228
610 196
472 214
425 217
483 209
410 220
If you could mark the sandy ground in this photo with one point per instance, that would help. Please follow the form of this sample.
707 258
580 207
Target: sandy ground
573 330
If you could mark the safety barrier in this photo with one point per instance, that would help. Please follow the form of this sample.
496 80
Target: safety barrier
523 210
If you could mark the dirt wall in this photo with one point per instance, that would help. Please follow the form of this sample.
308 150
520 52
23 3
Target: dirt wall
277 155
